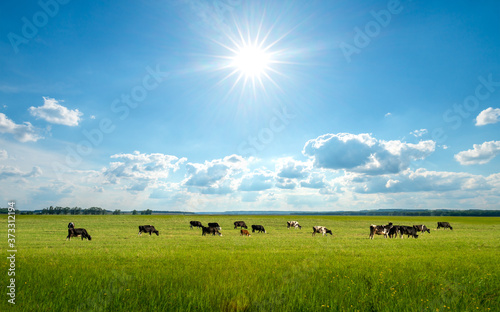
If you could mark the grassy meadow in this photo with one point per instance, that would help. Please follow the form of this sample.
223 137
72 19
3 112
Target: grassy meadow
283 270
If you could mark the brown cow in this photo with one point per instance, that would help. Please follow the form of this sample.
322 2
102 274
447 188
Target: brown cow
245 233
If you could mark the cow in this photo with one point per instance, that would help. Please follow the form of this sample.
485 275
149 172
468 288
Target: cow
321 229
209 230
258 228
444 225
240 224
215 225
147 229
393 232
380 230
245 233
409 231
195 224
421 228
294 224
72 232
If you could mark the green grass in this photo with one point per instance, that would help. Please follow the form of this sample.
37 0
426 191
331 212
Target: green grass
284 270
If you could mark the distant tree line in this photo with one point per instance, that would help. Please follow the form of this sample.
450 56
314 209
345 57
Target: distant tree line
412 213
73 211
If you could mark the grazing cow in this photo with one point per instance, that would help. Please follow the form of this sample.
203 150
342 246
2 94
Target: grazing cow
422 228
380 230
215 225
294 224
393 232
147 229
195 224
241 224
321 229
245 232
258 228
444 225
209 230
72 232
409 231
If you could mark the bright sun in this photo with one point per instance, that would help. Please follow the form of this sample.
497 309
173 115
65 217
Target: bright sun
251 61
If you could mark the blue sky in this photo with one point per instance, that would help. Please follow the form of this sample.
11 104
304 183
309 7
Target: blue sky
222 105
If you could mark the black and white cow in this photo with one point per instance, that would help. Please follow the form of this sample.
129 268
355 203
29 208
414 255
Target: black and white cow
258 228
240 224
321 229
209 230
445 225
394 231
380 230
147 229
195 224
215 225
294 224
72 232
409 231
421 228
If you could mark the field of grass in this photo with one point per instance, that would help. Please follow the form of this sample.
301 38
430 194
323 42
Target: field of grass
283 270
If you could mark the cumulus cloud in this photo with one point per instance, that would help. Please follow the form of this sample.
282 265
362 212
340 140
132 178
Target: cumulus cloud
53 112
12 172
420 180
480 154
364 154
290 168
23 133
258 180
315 181
138 170
214 177
488 116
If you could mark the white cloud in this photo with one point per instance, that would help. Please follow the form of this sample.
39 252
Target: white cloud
23 133
480 154
388 115
12 172
315 181
420 180
51 111
419 133
3 154
214 177
258 180
364 154
137 171
488 116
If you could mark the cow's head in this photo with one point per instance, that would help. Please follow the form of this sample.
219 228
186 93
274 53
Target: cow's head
298 225
156 232
415 235
90 237
451 228
328 231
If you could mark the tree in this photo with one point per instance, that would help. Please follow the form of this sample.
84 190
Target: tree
134 212
117 212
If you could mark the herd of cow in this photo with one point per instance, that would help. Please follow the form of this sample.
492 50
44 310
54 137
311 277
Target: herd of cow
392 231
388 230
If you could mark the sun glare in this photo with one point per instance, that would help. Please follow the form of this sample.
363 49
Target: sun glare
251 61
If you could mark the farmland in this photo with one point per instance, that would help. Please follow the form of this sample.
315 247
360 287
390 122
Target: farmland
283 270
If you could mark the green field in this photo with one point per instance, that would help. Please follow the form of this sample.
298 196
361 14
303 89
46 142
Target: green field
284 270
